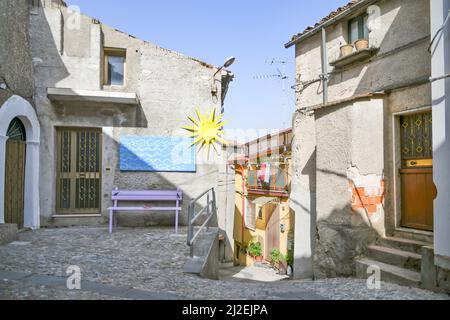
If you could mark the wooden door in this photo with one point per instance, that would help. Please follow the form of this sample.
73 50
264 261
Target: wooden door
418 190
272 232
15 174
78 171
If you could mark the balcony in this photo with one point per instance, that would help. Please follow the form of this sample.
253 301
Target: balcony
268 181
356 56
102 97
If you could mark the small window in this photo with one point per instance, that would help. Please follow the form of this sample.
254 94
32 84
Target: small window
16 130
115 61
358 29
260 213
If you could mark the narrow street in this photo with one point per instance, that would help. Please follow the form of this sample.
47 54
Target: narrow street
147 264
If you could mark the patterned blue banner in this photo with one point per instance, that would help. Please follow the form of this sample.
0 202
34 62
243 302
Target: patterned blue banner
157 154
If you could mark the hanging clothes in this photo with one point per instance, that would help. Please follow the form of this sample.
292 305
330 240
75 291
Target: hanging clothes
262 172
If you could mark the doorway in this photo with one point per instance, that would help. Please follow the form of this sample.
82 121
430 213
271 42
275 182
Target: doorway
15 173
79 167
272 231
416 173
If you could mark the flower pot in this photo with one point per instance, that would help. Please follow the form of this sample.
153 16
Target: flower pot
290 271
361 44
259 259
282 268
346 50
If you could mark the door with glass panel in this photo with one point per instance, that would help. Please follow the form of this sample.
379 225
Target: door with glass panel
79 166
416 173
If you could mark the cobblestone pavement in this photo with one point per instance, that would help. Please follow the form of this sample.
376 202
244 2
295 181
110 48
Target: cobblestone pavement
142 263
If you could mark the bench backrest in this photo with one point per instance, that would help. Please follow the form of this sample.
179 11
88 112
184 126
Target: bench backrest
146 195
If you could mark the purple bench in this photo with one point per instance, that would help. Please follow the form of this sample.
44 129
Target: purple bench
150 195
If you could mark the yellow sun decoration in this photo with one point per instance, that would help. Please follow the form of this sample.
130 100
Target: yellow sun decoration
207 130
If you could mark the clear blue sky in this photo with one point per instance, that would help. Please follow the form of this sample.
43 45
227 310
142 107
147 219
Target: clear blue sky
254 31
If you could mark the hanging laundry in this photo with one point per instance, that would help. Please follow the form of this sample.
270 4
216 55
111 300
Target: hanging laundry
262 172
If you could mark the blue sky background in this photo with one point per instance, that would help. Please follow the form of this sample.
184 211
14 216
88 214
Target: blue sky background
253 31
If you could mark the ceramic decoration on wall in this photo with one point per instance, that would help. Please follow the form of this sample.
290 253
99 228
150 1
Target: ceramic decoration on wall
207 130
157 154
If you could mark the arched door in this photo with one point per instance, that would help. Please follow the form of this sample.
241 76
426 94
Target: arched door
15 173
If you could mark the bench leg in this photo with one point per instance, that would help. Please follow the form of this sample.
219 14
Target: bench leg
111 217
176 217
176 222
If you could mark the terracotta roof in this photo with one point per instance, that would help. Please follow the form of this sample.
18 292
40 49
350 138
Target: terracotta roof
330 16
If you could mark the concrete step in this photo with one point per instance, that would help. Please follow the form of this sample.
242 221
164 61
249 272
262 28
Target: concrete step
389 273
204 260
395 257
413 234
227 265
410 245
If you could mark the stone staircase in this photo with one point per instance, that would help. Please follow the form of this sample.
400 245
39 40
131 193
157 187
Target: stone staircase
399 257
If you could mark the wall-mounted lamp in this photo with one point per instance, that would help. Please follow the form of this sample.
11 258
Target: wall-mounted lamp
227 63
282 228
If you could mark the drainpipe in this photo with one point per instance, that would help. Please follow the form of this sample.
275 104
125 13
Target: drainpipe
324 75
243 204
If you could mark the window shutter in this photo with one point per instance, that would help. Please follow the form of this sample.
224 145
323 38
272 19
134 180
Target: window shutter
250 214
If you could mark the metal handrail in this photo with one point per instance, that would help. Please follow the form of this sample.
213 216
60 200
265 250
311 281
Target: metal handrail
211 210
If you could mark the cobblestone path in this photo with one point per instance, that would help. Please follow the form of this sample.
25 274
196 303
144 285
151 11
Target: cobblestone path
148 264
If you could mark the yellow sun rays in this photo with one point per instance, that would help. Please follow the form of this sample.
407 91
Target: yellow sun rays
207 130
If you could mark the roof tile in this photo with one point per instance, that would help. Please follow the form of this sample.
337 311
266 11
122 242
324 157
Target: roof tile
327 18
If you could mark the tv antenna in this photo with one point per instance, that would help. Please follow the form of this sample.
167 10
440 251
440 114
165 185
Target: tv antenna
280 74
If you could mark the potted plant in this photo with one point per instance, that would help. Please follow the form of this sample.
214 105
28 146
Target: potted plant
254 249
362 44
346 49
279 261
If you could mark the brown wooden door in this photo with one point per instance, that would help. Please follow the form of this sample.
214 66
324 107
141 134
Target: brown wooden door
418 193
417 188
272 233
14 182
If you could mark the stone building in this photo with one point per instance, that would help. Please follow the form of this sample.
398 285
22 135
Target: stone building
363 186
110 109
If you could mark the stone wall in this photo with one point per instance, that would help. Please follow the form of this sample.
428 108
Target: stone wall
344 184
16 71
349 147
170 86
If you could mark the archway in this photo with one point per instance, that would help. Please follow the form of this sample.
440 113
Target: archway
16 111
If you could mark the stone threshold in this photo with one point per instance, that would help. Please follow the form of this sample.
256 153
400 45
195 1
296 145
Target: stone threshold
87 286
68 216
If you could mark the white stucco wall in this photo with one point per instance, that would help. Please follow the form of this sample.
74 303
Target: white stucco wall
441 128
